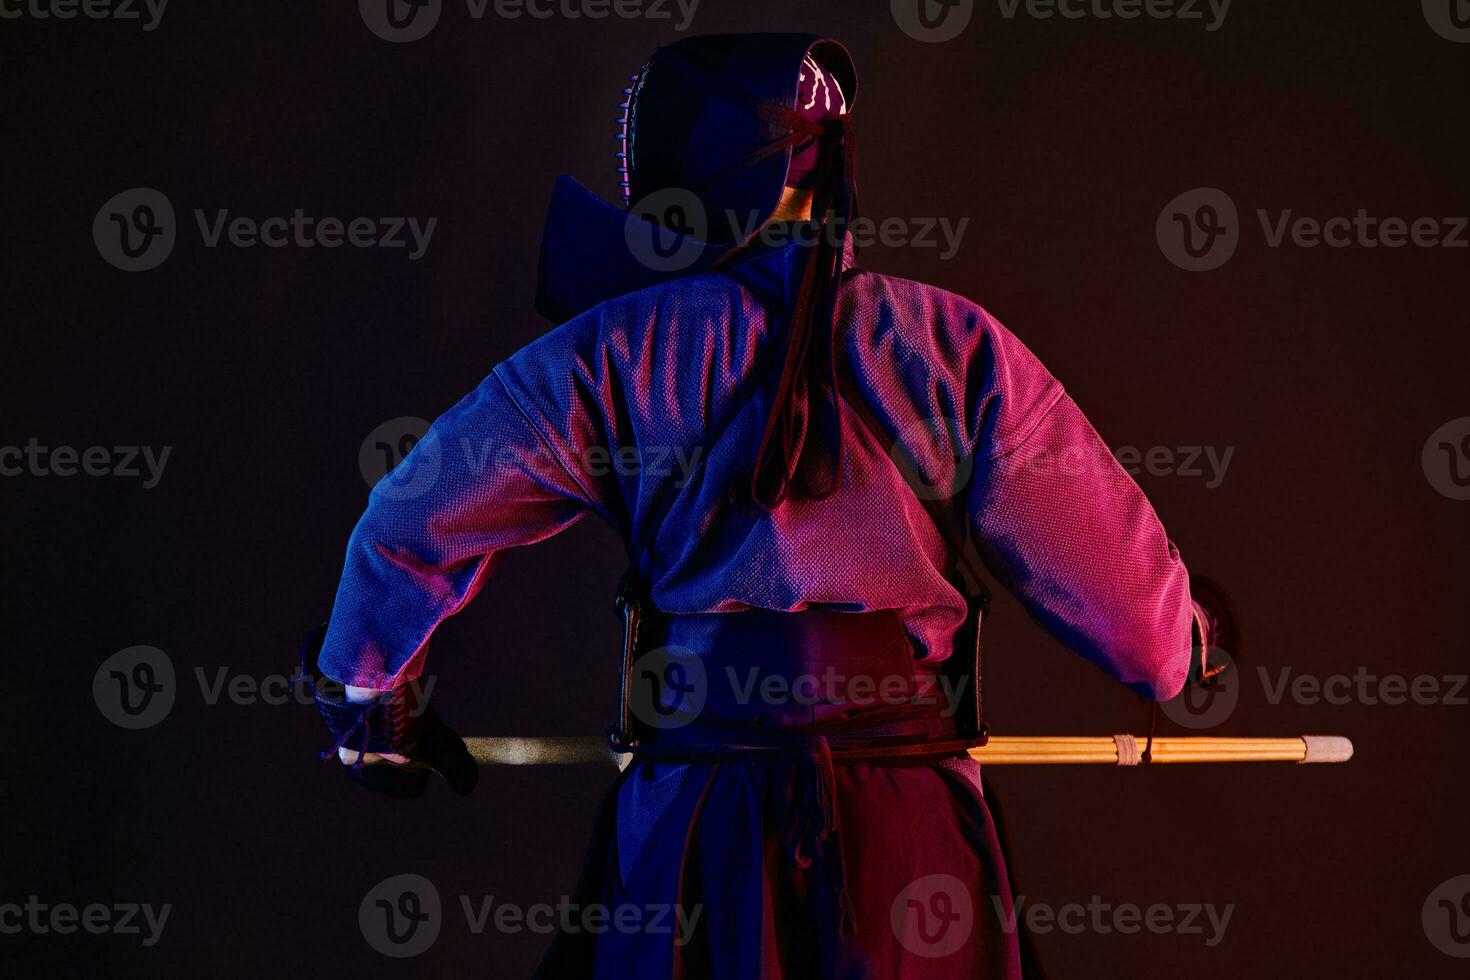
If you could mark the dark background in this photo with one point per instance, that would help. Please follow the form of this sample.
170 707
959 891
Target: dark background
1326 369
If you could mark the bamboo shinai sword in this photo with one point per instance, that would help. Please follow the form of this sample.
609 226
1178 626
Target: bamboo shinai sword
1001 750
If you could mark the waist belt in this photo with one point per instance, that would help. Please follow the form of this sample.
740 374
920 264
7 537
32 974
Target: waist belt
760 681
824 688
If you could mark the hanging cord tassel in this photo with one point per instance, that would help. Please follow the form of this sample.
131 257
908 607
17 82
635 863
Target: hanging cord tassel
783 443
1153 727
831 834
787 446
819 828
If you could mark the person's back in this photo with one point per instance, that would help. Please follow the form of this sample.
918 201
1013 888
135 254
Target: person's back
800 457
653 402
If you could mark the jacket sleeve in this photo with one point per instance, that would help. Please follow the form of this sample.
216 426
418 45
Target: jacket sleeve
483 479
1061 524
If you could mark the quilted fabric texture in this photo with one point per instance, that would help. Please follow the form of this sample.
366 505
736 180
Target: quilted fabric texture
646 411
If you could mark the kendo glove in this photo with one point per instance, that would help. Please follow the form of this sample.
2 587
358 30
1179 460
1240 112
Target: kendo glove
391 743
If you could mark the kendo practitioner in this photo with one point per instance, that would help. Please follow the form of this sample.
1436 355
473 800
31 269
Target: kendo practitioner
860 442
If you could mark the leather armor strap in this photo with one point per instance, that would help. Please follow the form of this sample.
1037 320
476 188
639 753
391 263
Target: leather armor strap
629 606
